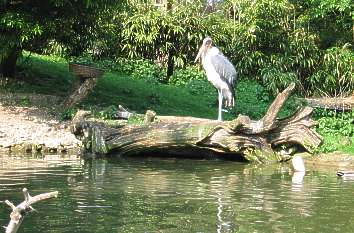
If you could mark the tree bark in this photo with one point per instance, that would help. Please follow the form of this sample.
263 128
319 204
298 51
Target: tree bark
342 104
86 80
170 66
8 63
265 140
82 90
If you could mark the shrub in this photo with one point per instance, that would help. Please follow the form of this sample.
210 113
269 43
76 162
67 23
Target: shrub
68 114
336 127
139 69
108 113
336 74
184 76
335 123
147 70
275 80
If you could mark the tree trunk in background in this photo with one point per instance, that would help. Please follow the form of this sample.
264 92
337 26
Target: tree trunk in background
87 78
170 66
265 140
82 90
8 64
335 103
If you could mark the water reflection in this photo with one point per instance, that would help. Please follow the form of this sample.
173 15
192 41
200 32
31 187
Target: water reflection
297 180
169 195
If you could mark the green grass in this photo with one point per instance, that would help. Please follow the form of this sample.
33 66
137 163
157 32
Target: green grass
348 148
341 143
42 75
49 75
139 95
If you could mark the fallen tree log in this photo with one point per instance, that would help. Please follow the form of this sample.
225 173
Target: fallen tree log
19 211
335 103
265 140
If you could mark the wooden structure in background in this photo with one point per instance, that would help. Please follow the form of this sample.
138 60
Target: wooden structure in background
87 78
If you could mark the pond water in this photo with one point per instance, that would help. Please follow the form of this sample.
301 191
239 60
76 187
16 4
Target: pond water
175 195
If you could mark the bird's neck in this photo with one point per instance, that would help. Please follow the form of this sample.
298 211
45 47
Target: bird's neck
213 51
209 52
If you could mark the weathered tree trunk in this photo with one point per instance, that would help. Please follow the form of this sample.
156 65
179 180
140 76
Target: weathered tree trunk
82 90
86 80
18 212
170 66
342 104
268 139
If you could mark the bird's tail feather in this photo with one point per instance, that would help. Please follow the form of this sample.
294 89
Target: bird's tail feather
229 95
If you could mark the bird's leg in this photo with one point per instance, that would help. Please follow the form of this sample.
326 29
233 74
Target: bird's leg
220 106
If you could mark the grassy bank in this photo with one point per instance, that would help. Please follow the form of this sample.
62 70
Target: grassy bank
49 75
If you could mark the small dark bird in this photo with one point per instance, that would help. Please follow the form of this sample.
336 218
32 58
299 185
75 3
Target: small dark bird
345 174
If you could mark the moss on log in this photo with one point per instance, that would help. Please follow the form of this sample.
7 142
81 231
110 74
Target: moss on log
266 140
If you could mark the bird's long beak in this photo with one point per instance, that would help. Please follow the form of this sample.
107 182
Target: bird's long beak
201 51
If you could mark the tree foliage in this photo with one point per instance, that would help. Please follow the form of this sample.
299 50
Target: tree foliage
275 42
31 24
272 41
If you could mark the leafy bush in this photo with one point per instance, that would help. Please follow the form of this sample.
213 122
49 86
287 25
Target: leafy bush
335 123
83 60
275 80
111 65
252 99
125 66
184 76
108 113
336 127
336 77
138 68
147 70
68 114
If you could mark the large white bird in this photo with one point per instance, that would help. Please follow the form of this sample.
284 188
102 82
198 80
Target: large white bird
220 72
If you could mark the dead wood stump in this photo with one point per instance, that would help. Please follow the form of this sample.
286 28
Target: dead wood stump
19 211
87 78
